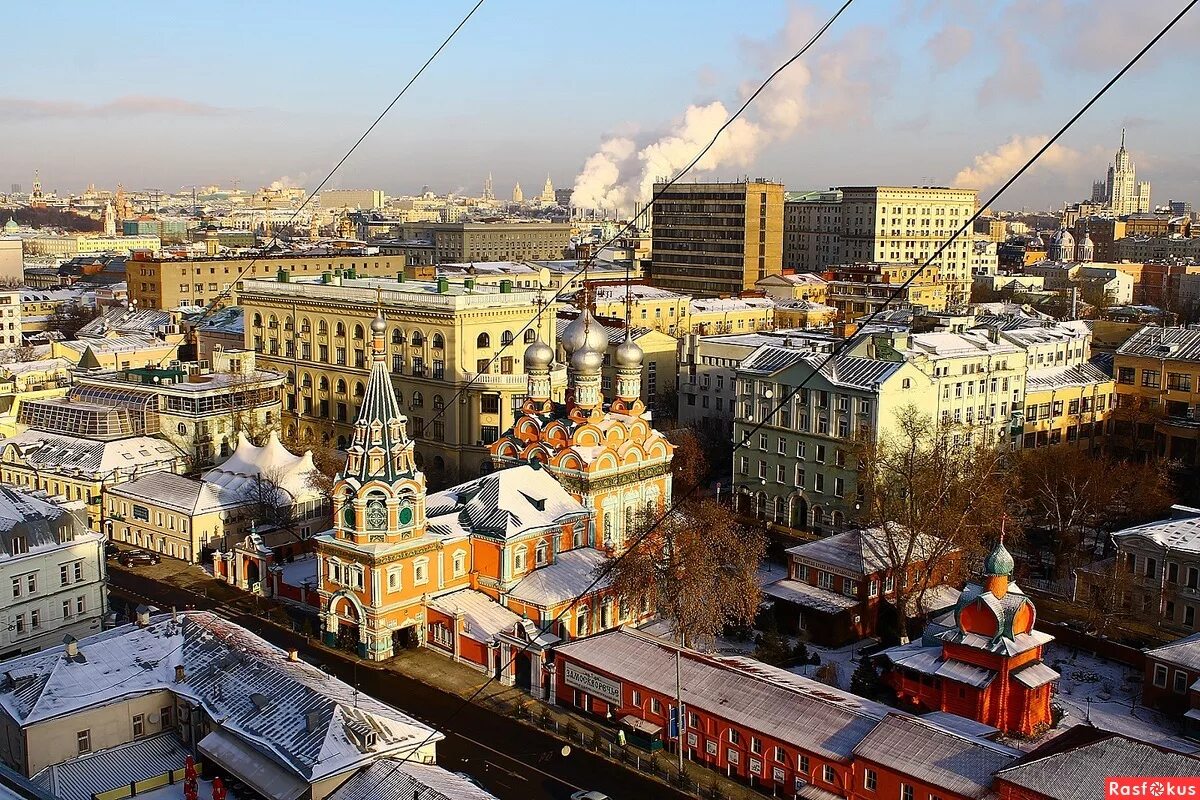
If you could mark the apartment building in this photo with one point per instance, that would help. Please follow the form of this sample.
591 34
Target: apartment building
896 224
794 286
716 238
55 568
441 339
798 469
160 282
859 290
1157 372
508 240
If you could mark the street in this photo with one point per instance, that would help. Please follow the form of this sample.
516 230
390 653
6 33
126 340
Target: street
512 760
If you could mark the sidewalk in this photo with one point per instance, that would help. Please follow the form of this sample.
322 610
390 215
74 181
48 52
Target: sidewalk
440 672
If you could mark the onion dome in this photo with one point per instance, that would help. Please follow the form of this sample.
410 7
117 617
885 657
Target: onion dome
628 354
538 356
378 325
586 361
1063 238
584 331
999 561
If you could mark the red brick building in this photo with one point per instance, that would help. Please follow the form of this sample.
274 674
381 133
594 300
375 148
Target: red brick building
982 661
840 589
769 727
1172 681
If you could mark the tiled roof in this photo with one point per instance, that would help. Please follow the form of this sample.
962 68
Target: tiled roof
1183 652
817 718
1080 773
571 575
392 779
290 712
931 754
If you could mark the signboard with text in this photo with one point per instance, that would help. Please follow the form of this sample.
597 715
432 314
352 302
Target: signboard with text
596 685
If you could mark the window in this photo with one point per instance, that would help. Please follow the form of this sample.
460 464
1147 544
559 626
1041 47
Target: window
780 755
755 745
889 584
81 604
460 564
828 774
1180 685
1151 378
802 765
83 741
16 587
906 791
421 571
164 717
870 779
1160 676
66 606
19 545
139 726
734 737
35 619
78 571
655 705
1179 381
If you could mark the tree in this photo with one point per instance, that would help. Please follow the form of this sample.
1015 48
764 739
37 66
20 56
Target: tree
1110 588
69 318
270 503
865 680
697 567
689 465
935 496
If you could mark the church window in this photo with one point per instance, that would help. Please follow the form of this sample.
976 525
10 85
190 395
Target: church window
608 527
581 621
506 338
421 571
530 335
393 579
460 563
376 515
540 557
519 559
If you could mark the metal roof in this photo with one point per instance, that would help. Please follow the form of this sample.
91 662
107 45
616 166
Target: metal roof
1179 535
1047 378
390 779
809 596
81 778
571 574
1170 344
934 755
1184 652
1035 675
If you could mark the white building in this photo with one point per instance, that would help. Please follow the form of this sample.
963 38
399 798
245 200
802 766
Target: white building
52 573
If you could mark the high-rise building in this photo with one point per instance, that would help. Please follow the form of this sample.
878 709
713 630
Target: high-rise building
878 224
488 192
547 191
1123 193
716 238
518 196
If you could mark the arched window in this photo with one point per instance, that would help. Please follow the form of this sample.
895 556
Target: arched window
306 381
540 554
339 329
291 376
483 341
400 397
397 336
322 327
272 322
438 403
257 320
417 400
438 341
530 335
341 443
182 429
358 331
519 559
417 339
506 337
323 384
305 325
287 323
359 389
341 386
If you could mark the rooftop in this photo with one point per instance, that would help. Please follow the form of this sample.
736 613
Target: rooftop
70 455
1183 652
1181 534
1169 344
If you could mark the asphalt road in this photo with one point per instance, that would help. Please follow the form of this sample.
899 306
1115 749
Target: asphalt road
512 760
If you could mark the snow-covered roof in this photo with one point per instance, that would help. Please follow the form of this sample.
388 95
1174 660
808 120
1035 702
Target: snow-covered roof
928 660
126 321
483 617
272 462
301 719
1048 378
797 710
1171 344
118 344
1183 652
44 525
14 368
865 551
393 779
69 455
851 372
723 304
809 596
957 345
1179 535
572 574
179 493
961 765
505 504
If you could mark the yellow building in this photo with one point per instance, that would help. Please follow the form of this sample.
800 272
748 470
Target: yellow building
120 352
562 276
38 306
172 282
795 286
708 316
1066 405
716 238
649 306
660 361
1157 372
803 314
858 290
80 244
30 380
441 339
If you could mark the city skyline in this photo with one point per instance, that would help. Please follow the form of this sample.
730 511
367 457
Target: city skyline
1005 79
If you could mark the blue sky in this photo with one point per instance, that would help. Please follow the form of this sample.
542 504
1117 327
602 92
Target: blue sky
904 91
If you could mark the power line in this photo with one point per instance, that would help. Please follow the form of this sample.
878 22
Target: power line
226 291
629 225
677 503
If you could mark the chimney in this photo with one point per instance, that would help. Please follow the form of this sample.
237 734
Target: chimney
293 655
72 646
174 615
143 616
180 675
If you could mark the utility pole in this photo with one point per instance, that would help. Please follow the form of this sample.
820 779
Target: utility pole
679 718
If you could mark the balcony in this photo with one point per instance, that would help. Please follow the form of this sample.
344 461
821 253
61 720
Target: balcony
515 381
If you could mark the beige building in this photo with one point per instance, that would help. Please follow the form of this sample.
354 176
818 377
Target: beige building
21 381
174 282
859 290
442 337
895 224
364 199
716 238
795 286
563 275
513 240
126 707
712 315
81 244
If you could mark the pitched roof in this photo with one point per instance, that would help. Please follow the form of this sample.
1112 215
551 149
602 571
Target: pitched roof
483 616
852 372
864 551
505 504
392 779
935 755
572 574
1171 344
1181 534
1183 652
70 455
1047 378
180 493
290 712
1078 773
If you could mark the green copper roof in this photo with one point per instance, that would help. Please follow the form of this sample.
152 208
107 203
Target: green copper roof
999 561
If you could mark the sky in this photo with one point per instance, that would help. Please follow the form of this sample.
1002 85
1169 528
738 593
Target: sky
602 96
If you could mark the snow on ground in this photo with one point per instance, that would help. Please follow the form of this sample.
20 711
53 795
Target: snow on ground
1115 692
769 572
175 792
295 573
846 659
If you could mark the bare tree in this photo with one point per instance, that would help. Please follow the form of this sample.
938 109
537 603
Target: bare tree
270 503
1108 598
698 567
243 409
69 318
936 499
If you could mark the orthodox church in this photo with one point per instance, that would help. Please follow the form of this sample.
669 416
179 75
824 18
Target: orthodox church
503 565
983 660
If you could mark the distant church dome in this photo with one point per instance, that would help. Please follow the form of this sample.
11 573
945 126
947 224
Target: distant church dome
1062 246
11 226
1086 251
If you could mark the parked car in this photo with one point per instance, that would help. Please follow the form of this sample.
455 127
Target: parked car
593 795
131 557
111 550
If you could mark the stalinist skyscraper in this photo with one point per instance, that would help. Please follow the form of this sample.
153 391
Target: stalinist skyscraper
1125 195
